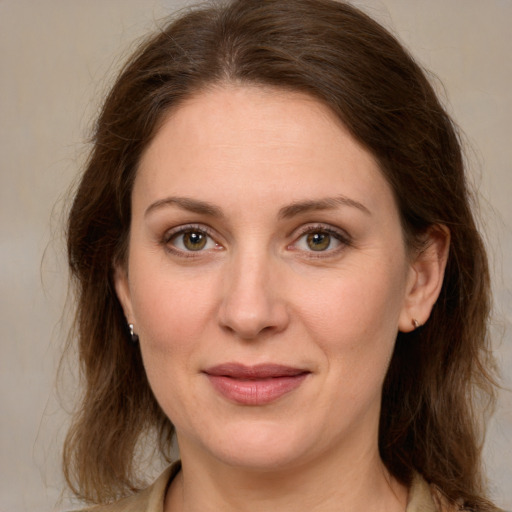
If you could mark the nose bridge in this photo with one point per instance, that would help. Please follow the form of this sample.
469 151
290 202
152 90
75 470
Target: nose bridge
251 302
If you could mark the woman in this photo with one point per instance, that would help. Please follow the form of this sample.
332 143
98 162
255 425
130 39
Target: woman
276 261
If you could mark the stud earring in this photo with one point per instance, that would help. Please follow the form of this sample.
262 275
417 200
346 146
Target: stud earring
134 337
415 323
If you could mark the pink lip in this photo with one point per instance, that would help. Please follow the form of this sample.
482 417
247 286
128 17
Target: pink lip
255 385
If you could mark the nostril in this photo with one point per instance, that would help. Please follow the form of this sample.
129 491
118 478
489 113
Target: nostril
251 325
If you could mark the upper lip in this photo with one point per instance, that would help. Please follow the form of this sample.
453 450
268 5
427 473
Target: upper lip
254 372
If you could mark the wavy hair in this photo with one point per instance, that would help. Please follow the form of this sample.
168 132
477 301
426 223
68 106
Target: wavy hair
440 376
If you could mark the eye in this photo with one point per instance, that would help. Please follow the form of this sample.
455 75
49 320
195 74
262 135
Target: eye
320 239
190 240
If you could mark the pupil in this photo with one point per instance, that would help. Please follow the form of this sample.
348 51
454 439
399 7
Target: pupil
318 241
194 241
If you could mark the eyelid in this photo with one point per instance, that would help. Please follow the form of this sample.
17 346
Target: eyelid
340 234
184 228
319 226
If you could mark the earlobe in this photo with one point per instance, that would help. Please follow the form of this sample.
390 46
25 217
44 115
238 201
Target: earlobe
426 278
123 292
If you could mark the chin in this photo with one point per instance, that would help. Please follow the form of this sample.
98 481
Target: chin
261 446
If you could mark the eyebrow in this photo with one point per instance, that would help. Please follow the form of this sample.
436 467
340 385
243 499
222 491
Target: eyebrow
186 203
327 203
291 210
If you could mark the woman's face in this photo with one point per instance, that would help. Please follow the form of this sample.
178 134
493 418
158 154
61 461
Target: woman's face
267 279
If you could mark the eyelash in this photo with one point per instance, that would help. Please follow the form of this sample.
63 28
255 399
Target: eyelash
181 230
340 236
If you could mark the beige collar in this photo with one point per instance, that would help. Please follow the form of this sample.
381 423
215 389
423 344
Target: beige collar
420 496
152 499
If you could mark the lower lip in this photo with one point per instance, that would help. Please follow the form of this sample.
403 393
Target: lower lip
254 391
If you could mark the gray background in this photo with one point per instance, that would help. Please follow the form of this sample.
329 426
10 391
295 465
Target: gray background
56 60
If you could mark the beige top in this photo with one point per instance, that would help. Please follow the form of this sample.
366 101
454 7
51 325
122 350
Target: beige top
152 498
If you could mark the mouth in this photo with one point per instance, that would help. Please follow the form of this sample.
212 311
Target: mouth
255 385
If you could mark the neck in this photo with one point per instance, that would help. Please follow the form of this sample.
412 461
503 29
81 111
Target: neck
355 483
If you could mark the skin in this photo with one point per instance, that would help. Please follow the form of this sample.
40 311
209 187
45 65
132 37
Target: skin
258 293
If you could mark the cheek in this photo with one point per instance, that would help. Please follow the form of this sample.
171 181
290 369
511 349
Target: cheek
173 313
171 308
357 306
354 319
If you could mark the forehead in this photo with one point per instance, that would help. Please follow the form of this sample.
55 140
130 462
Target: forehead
252 141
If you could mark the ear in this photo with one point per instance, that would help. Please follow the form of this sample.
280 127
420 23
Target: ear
426 276
122 287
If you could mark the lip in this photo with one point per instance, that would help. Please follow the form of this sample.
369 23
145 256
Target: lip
255 385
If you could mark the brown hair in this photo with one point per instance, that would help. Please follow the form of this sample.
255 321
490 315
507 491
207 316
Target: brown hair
439 376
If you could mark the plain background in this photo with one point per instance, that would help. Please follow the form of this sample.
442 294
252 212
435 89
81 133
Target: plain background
57 58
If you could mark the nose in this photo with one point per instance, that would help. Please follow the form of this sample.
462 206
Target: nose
253 304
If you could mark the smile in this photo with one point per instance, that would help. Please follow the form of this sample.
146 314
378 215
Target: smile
255 385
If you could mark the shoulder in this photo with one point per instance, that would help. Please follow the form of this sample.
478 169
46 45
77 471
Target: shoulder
150 499
424 497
